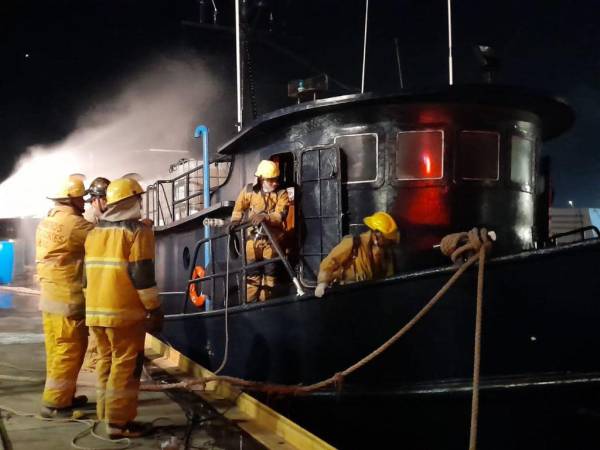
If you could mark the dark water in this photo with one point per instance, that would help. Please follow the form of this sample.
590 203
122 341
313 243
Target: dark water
540 419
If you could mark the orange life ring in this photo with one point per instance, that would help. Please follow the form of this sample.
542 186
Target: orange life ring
197 299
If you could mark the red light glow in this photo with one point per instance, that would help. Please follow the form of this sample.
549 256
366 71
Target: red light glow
427 162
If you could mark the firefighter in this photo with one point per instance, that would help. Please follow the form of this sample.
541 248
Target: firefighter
360 258
97 199
262 203
60 241
121 302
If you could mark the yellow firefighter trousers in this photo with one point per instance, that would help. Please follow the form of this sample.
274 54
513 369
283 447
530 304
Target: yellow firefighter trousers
120 361
66 341
257 286
91 355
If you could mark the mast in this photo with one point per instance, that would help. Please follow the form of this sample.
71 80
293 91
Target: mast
238 66
362 83
450 75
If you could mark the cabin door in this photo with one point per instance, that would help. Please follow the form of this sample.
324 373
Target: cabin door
320 204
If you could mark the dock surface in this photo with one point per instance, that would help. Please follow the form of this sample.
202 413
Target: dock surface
22 372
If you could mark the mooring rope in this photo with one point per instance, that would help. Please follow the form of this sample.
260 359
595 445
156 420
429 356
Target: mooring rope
456 246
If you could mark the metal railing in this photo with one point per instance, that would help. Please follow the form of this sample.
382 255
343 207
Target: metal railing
170 200
578 231
239 273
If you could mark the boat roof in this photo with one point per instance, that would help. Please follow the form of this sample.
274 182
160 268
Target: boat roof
555 114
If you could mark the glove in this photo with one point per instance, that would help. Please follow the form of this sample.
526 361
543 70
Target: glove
258 219
231 226
154 320
320 290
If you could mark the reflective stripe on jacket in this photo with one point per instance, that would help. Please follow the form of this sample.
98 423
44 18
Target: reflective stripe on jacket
59 252
254 201
119 265
346 264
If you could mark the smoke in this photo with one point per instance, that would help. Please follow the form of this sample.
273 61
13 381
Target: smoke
143 128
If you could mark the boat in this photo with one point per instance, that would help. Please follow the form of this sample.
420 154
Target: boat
439 162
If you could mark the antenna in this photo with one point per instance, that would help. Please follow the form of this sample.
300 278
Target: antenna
450 80
362 84
398 62
238 68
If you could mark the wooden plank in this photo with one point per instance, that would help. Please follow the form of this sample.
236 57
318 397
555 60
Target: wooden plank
264 424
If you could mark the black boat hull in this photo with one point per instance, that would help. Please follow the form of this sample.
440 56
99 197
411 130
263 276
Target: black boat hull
540 322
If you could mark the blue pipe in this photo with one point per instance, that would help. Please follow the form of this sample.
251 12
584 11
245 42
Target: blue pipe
203 130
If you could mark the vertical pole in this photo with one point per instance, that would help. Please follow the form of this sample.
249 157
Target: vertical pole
202 130
172 201
157 204
187 195
450 70
362 83
398 62
238 66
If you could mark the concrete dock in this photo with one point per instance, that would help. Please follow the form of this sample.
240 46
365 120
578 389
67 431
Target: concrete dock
22 363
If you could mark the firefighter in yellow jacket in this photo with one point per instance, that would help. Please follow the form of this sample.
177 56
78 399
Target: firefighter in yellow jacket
360 258
97 201
60 241
121 295
262 203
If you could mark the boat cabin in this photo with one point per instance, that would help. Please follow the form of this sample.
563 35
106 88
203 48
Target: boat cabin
438 161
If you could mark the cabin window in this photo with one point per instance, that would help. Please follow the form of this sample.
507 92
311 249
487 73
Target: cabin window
479 156
360 154
420 155
521 160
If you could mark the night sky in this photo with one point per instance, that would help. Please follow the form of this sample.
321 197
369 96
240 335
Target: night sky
64 58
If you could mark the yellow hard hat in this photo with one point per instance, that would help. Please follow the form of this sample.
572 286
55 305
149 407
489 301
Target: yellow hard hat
383 222
121 189
72 187
267 169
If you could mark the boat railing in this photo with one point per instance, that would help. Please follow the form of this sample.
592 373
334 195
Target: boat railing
578 231
169 200
237 234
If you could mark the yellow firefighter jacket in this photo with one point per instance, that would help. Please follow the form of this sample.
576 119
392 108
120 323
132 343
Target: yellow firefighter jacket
254 201
119 266
355 259
59 251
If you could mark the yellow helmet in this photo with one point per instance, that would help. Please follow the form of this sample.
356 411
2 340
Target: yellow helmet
72 187
267 169
383 222
121 189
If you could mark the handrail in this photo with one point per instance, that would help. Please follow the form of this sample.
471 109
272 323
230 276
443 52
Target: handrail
245 267
162 185
192 177
581 230
200 166
157 209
